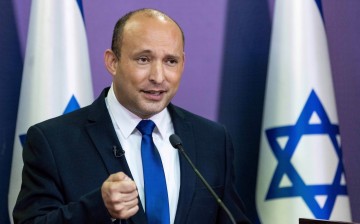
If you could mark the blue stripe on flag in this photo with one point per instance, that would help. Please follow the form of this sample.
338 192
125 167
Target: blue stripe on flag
79 2
319 5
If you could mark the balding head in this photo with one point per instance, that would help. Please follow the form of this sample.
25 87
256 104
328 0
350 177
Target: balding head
118 32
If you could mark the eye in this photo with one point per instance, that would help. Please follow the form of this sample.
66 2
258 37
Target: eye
143 60
172 61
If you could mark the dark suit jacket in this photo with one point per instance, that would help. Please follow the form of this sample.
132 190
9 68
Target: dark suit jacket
66 160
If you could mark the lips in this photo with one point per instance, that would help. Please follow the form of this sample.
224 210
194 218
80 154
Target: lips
154 92
154 95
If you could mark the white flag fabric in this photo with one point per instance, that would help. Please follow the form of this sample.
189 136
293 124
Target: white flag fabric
301 172
56 76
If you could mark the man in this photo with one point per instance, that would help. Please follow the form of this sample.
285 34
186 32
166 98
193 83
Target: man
88 166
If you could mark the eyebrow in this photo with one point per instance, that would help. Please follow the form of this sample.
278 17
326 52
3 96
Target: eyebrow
146 51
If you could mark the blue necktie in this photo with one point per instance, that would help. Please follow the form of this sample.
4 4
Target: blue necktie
156 197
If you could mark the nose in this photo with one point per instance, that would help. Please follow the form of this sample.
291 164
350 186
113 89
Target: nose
157 72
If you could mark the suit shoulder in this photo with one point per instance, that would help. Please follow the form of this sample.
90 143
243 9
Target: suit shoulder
96 110
70 119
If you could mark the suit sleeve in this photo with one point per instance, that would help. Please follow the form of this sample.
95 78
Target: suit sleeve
231 198
41 199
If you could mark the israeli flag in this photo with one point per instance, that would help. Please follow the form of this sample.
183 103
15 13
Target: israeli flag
301 172
56 76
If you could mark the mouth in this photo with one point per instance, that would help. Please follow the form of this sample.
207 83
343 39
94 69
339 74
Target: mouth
154 92
154 95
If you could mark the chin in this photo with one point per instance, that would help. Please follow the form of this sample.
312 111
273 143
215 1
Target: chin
153 109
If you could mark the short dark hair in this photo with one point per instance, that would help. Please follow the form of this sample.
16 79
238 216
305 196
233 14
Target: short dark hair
120 24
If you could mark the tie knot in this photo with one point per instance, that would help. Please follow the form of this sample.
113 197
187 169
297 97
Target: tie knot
146 127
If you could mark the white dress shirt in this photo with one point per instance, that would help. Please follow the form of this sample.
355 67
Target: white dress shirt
125 123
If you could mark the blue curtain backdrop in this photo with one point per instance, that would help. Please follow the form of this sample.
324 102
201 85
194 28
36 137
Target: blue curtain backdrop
246 51
10 79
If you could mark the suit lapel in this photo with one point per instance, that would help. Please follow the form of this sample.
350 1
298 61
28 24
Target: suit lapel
104 138
183 128
103 135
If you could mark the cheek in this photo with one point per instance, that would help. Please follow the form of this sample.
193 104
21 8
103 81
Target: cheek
175 79
174 76
129 78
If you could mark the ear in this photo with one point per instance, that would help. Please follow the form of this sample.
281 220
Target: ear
183 64
183 58
111 61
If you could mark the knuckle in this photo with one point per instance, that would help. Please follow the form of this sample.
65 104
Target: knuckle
119 207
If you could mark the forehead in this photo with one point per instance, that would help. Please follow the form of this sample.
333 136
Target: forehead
151 27
140 18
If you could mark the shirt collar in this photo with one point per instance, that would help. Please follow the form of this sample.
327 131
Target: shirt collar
126 121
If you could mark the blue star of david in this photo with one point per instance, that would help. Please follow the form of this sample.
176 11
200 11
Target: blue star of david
284 167
71 106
